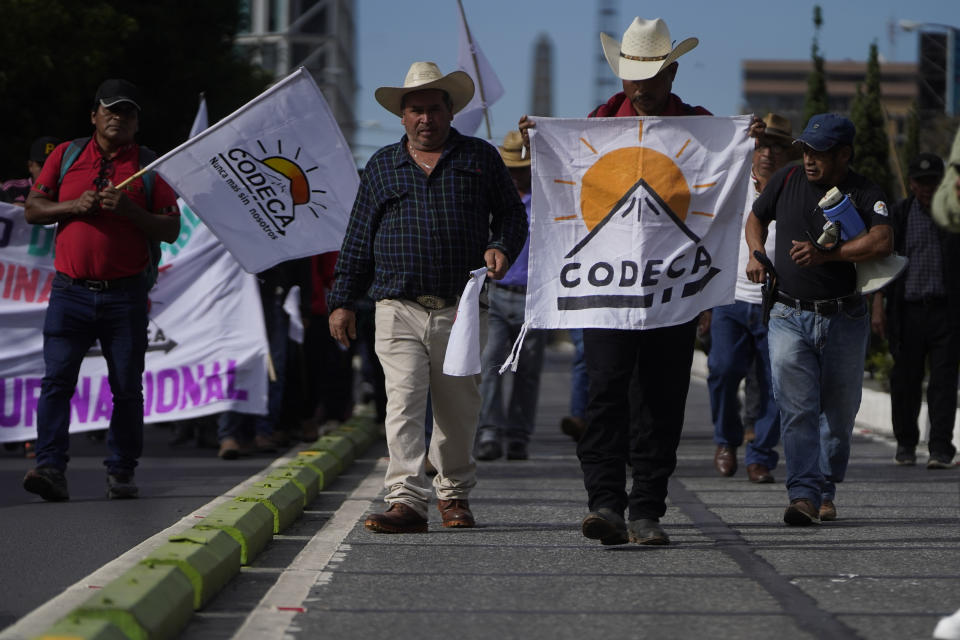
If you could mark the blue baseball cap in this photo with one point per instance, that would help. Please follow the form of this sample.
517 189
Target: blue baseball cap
824 131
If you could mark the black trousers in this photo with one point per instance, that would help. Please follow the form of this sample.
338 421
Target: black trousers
661 358
926 334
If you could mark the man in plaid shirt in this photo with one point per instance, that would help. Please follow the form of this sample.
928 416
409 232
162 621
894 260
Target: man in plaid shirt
430 209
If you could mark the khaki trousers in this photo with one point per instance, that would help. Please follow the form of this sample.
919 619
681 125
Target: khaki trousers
411 342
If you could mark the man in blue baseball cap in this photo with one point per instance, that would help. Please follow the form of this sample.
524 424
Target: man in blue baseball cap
818 323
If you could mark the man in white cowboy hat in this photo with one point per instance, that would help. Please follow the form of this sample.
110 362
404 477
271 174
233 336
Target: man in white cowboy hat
646 61
430 209
507 304
819 323
738 340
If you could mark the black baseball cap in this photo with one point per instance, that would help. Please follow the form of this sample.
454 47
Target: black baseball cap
924 165
42 147
116 90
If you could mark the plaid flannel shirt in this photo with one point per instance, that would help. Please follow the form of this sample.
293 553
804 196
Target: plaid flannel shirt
411 234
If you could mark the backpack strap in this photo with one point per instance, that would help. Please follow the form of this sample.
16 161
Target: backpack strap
71 154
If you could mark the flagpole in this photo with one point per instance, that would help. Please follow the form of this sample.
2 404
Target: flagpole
476 68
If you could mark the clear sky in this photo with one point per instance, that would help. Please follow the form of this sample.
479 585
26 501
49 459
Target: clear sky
391 35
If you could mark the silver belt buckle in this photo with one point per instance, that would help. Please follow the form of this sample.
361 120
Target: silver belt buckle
431 302
96 285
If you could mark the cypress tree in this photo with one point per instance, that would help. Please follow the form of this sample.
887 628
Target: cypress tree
871 145
816 99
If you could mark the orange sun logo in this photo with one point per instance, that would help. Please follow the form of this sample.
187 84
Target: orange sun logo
299 184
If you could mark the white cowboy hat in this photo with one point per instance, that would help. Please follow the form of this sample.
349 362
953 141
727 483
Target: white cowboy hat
427 75
646 48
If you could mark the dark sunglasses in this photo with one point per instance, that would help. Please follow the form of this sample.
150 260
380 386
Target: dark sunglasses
104 174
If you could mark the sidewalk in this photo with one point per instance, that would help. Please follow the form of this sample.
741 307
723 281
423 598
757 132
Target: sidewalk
888 568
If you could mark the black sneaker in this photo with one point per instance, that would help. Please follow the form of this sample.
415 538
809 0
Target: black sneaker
940 461
517 450
905 457
48 483
121 486
489 450
606 526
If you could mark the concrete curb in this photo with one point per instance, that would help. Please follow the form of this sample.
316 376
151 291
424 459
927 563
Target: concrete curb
156 597
145 602
326 465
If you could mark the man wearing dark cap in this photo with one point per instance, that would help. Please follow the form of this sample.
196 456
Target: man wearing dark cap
922 320
17 190
103 255
819 324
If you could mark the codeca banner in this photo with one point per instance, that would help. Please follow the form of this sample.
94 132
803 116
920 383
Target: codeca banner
207 345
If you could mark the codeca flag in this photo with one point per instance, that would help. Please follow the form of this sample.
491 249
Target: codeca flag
273 181
635 221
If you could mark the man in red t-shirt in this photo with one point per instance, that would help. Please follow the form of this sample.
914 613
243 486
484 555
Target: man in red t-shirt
100 289
622 384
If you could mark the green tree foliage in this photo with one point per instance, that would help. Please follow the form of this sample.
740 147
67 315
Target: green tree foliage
816 98
54 54
871 146
911 145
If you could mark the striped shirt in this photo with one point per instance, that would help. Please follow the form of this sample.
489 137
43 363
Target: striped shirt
411 234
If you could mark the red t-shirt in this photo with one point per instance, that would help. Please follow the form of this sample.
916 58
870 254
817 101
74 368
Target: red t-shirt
619 107
104 245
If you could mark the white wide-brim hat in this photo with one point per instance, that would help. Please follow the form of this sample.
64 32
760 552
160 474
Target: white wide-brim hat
646 48
426 75
875 274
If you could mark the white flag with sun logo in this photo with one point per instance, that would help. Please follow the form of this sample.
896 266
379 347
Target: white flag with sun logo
273 181
635 222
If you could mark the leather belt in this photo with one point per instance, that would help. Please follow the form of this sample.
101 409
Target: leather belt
512 288
102 285
435 302
928 301
823 307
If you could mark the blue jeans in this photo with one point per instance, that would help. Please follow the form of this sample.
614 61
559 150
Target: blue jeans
76 317
738 339
579 390
817 365
505 320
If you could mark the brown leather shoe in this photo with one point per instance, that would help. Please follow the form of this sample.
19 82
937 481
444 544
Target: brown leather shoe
399 518
229 449
828 511
801 513
725 460
759 474
456 513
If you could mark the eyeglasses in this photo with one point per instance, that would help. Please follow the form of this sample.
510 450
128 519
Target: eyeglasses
104 174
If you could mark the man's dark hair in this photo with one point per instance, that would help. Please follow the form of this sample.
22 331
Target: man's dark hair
446 99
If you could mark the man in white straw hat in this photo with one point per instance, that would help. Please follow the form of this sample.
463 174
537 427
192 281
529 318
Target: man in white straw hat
507 307
646 61
430 209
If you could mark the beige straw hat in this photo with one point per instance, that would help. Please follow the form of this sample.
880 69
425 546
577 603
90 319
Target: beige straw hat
426 75
512 150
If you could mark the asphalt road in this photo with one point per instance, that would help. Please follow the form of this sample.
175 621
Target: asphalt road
887 569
